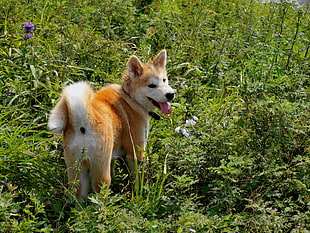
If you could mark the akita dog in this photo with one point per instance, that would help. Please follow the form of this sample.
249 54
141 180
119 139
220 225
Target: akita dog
100 126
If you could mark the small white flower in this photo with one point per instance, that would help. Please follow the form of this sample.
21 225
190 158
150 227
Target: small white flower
190 122
177 129
191 230
185 132
195 118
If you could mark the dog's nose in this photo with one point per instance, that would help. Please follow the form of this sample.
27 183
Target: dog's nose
170 96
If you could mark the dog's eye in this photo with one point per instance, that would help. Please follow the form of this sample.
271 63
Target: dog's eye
152 86
164 80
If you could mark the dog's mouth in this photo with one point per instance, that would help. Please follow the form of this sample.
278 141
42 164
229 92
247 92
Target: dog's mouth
165 107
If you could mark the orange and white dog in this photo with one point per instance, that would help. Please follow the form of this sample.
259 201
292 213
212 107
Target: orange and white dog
100 126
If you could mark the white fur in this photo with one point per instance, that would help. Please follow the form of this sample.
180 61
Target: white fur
56 125
159 93
57 120
84 179
76 97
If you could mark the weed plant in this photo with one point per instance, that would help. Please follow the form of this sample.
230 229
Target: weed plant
232 157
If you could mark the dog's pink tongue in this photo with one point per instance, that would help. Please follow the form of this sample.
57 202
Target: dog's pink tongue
165 108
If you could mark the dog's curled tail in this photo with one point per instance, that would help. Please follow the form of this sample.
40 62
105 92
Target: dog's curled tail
72 107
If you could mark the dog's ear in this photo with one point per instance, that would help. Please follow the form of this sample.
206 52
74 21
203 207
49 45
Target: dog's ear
134 66
160 59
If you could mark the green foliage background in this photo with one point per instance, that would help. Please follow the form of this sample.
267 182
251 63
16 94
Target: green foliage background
240 67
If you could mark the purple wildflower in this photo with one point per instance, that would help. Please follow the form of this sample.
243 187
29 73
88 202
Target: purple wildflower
27 36
28 27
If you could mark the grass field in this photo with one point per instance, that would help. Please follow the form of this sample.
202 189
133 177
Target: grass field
232 157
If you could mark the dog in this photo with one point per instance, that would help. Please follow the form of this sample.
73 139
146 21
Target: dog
98 127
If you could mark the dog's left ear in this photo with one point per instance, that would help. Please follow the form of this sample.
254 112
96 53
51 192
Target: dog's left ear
134 66
160 59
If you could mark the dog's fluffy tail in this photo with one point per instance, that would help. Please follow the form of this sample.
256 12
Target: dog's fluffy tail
73 107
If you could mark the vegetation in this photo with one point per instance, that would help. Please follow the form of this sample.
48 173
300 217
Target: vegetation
232 157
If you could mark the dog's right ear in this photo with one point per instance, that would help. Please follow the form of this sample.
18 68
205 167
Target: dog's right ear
160 59
135 67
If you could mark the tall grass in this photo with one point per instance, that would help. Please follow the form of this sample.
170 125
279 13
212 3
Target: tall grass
241 70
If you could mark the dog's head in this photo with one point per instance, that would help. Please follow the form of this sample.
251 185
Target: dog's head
148 83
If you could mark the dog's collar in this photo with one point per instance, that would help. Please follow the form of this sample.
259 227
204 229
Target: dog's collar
154 115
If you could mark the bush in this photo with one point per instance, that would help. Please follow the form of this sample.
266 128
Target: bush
233 156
